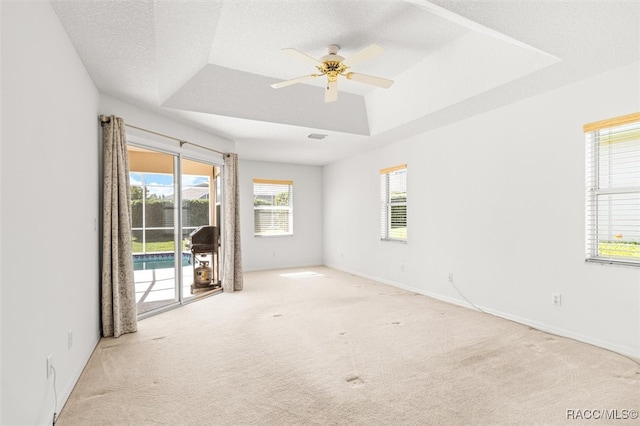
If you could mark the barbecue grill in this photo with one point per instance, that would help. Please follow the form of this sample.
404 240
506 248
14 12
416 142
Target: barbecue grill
204 243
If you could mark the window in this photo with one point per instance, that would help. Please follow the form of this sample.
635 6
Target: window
393 205
613 190
272 207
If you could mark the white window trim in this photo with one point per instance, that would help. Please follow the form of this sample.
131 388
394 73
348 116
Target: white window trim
288 209
386 204
593 239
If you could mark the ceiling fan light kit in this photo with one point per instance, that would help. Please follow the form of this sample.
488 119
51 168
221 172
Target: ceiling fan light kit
333 65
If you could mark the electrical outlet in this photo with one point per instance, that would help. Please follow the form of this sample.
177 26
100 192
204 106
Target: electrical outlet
402 267
556 299
70 340
451 277
49 365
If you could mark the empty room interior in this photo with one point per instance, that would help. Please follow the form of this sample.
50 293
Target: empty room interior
335 212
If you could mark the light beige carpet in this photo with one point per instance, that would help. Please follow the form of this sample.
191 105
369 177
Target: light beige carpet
337 349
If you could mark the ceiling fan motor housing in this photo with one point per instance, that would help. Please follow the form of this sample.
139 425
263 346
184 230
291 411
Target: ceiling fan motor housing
332 65
332 68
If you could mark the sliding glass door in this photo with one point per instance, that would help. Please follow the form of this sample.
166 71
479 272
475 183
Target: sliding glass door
171 199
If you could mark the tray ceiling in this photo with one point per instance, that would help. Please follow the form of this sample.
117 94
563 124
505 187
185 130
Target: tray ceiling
210 63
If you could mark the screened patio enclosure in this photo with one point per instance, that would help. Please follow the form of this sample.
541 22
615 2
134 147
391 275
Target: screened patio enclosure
171 197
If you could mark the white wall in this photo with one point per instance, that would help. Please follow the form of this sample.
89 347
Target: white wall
497 200
50 188
304 248
151 121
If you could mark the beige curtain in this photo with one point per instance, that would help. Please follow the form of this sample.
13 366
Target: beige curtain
118 291
232 269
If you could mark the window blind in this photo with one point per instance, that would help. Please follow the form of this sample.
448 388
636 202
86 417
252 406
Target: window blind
613 190
393 203
272 207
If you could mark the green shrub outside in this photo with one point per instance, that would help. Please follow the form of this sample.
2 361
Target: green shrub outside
159 213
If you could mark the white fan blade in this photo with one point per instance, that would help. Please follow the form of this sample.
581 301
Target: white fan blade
293 81
369 79
298 54
331 94
365 54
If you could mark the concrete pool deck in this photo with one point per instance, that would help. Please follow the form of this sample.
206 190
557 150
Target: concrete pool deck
156 288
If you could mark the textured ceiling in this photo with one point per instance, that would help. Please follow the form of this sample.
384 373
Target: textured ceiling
211 63
408 34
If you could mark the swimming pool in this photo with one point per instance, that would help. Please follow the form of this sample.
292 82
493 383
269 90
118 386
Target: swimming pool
144 261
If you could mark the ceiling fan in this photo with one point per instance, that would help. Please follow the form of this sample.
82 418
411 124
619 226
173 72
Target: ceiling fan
334 65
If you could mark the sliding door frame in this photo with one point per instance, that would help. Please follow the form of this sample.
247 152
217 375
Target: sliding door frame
180 154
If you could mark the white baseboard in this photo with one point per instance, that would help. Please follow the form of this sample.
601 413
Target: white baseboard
547 328
276 267
66 392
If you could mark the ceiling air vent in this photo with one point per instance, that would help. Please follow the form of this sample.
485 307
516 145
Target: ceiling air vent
316 136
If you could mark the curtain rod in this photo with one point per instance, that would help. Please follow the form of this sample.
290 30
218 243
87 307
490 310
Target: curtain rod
105 119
